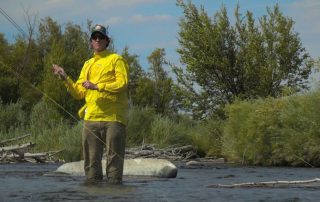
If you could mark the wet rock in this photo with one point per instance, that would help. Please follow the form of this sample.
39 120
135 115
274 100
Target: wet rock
132 167
204 163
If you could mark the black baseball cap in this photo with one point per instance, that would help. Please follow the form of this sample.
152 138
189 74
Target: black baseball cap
101 29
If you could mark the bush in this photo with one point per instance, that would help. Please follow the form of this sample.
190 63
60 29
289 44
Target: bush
300 131
165 131
44 116
251 129
50 131
139 123
282 131
71 141
12 117
206 137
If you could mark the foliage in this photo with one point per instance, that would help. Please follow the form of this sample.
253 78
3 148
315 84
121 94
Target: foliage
12 116
245 61
139 123
71 141
206 137
136 75
147 127
165 131
8 82
224 63
50 131
152 89
44 115
283 131
68 49
162 84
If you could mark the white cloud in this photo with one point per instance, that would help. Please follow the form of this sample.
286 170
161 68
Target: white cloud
306 14
153 18
125 3
114 21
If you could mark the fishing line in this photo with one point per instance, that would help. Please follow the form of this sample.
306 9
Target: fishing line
13 22
42 92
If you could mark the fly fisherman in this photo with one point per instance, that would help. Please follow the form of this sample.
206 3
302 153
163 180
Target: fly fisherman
103 84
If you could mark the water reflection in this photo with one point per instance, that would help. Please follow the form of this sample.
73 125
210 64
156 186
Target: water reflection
105 189
24 182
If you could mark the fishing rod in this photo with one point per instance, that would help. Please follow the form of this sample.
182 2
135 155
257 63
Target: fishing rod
17 74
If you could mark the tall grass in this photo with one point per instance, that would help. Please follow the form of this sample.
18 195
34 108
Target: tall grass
51 131
12 117
147 127
166 131
251 129
284 131
206 137
139 125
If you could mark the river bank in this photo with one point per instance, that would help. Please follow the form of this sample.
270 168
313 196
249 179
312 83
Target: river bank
31 182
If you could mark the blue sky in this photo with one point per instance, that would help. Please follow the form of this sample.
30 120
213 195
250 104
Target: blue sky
144 25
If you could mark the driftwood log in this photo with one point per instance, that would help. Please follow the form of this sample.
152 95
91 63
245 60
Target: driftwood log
171 153
18 152
266 184
3 142
16 147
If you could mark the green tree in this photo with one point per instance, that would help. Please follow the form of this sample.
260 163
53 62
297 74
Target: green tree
70 49
144 93
162 84
153 89
136 73
22 67
8 82
27 68
245 60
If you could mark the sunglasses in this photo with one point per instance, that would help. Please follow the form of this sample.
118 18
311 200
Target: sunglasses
98 36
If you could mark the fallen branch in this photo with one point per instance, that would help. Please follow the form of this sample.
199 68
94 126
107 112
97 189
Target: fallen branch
16 147
41 157
265 184
42 154
172 153
13 139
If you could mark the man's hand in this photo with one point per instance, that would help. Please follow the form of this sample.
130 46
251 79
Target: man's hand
88 85
59 71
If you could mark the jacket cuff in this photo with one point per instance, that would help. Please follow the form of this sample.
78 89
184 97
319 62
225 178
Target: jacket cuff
100 87
68 81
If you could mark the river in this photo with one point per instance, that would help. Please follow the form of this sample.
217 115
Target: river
34 182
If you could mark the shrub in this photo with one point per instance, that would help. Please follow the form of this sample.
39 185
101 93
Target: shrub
251 129
12 117
165 131
139 123
283 131
71 141
206 137
300 130
44 116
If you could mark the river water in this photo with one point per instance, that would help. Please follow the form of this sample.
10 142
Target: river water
34 182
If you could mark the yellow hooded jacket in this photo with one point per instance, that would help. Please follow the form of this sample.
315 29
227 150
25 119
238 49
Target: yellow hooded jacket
110 73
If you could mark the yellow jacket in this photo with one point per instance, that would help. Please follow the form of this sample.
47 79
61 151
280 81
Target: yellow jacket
110 73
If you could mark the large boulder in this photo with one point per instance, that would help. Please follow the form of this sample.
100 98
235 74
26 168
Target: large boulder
132 167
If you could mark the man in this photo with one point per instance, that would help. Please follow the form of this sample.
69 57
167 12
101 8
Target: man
103 84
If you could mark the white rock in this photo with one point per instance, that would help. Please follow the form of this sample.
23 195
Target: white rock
132 167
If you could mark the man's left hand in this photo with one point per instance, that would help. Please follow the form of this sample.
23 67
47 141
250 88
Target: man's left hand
88 85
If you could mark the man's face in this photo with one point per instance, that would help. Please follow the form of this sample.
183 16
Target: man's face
98 42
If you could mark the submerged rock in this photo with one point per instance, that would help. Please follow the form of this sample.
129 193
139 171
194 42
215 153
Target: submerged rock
132 167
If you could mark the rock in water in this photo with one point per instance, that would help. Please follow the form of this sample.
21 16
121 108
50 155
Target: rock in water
132 167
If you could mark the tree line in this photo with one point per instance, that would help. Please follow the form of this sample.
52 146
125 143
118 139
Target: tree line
221 63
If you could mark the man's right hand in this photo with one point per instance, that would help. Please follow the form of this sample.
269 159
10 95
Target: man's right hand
59 71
